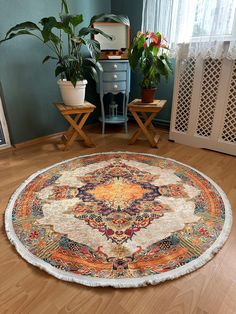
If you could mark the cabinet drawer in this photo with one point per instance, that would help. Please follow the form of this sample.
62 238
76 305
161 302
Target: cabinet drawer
114 76
114 66
114 86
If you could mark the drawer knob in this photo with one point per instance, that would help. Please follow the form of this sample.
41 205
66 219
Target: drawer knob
115 86
115 66
115 76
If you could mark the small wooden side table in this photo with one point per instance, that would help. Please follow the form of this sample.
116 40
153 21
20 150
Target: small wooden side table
148 129
81 114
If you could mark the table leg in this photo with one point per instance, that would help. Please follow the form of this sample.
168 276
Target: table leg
78 129
68 134
70 129
145 117
70 141
152 128
143 128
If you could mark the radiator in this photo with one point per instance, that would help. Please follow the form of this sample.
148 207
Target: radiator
204 104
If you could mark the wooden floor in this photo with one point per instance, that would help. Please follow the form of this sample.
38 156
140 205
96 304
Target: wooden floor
27 289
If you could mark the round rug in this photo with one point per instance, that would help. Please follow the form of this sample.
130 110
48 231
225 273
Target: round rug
118 219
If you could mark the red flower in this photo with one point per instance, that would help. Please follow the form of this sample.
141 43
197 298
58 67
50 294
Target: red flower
155 39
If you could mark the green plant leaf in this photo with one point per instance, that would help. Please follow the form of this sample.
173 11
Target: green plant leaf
169 64
99 66
13 35
158 36
68 19
155 51
48 58
78 40
141 41
59 69
93 47
26 26
112 17
93 73
69 58
48 24
94 62
134 55
92 31
65 6
161 67
75 20
65 19
85 31
73 80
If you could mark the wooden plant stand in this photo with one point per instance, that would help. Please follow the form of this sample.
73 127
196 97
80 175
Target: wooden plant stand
80 114
148 112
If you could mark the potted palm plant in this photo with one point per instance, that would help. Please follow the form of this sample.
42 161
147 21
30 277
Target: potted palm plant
66 42
148 51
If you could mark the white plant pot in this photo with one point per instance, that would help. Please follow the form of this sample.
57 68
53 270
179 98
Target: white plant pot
72 96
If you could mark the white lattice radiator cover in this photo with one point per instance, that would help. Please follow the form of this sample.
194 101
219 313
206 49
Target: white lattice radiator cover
204 104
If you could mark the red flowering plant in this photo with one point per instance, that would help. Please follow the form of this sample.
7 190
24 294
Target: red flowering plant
149 52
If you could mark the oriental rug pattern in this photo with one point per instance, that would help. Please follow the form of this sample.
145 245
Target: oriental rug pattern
118 219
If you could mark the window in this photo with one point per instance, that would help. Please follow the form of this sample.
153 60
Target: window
219 15
206 27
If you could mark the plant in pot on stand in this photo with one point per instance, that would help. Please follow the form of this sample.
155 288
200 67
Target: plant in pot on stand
148 51
66 43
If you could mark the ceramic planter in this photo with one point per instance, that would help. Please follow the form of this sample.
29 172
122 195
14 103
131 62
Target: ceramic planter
148 94
72 96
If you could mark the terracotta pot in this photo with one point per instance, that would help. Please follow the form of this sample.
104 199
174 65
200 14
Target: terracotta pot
148 94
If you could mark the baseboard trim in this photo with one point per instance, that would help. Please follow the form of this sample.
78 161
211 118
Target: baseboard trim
162 123
37 140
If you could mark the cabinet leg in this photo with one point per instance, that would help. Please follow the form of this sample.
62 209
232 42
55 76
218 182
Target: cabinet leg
103 127
125 104
103 114
126 97
126 127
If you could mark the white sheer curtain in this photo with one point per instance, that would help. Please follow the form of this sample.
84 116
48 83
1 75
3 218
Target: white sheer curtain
194 27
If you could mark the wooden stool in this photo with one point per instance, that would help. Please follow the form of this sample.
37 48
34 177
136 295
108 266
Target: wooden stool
81 115
148 129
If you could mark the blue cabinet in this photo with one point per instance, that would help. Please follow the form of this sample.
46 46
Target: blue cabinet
114 79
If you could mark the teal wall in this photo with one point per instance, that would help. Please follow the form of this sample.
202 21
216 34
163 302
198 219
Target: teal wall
133 8
29 87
